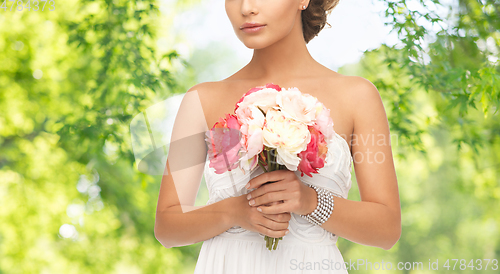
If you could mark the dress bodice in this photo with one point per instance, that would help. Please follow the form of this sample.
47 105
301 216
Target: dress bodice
335 177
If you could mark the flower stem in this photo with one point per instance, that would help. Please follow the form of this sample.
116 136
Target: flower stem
276 243
271 243
272 159
269 162
262 166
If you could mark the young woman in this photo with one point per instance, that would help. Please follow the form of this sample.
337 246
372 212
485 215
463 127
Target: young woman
242 207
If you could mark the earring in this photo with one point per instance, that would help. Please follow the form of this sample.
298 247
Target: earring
304 7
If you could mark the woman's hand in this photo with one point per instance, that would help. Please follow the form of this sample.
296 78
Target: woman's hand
247 217
284 186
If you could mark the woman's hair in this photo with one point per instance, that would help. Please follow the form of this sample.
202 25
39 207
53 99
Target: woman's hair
314 17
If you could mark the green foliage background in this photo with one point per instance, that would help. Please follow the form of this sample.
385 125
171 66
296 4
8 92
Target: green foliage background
72 79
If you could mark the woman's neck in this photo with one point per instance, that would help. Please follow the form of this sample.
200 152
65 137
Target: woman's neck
288 56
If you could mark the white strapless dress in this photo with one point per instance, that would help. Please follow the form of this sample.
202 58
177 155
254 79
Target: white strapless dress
307 248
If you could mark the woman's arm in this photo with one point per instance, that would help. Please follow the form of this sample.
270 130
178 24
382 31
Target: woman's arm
376 219
178 225
178 222
367 223
173 228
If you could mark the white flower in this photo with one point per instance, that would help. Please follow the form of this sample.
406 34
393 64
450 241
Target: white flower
287 135
298 106
264 98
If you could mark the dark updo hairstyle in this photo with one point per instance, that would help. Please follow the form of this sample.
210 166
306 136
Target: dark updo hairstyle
314 17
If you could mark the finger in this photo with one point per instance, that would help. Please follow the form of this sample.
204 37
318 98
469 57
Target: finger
271 233
270 204
280 218
273 225
267 198
268 187
274 209
273 176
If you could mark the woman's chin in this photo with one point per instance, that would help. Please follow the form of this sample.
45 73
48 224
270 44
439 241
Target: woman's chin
254 44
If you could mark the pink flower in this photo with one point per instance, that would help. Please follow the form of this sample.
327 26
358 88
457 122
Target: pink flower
324 122
252 122
224 144
313 158
252 90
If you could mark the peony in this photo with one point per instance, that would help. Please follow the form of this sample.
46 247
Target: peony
287 135
252 122
313 158
325 123
298 106
252 90
264 98
225 146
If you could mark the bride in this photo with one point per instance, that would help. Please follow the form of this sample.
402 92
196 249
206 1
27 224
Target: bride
242 208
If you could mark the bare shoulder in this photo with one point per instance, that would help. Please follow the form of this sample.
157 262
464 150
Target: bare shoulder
204 87
366 109
210 96
365 97
357 93
349 98
362 87
355 87
207 93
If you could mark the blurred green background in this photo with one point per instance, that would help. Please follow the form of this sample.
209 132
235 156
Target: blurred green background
72 199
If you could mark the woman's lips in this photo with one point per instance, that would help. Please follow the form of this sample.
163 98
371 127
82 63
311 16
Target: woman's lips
253 29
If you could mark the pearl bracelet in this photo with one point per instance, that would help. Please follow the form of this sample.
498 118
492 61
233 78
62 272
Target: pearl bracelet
323 209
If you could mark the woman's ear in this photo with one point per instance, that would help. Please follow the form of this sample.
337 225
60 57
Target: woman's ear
304 3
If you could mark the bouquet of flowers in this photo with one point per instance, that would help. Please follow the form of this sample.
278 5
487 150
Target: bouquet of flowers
274 128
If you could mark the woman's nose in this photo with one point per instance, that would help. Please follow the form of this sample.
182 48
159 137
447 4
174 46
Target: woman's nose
248 7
